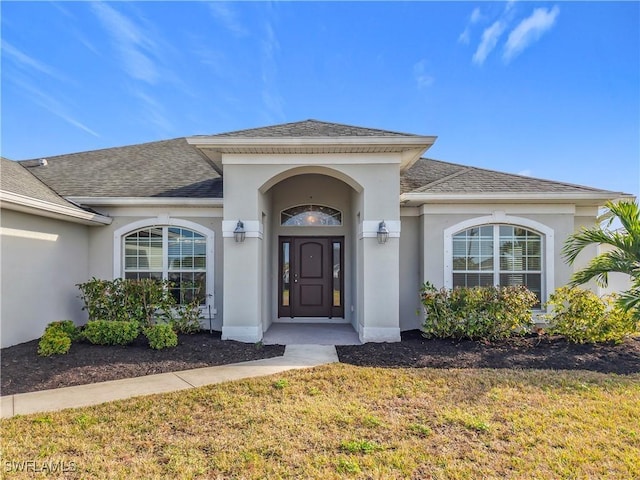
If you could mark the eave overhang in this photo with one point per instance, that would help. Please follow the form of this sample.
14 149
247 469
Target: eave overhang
22 203
411 147
147 201
582 199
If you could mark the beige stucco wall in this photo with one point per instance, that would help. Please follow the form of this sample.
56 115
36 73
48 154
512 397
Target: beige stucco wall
42 261
434 222
101 243
410 279
373 181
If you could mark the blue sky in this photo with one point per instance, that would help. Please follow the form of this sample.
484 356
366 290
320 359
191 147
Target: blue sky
548 89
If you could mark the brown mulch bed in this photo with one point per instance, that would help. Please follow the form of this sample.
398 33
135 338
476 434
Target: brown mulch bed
24 371
539 352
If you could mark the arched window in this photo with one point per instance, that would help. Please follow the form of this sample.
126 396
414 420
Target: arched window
310 216
501 255
171 253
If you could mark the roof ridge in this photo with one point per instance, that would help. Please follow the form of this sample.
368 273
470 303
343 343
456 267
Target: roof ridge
462 170
557 182
309 120
40 182
499 172
54 157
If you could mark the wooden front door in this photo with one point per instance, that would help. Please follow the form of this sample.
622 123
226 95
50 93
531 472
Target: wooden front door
311 277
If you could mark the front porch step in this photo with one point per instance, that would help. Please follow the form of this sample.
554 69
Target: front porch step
310 334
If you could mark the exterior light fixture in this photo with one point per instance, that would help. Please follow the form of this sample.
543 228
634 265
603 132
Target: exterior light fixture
383 233
239 233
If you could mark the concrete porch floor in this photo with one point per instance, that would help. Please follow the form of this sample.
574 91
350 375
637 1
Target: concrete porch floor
311 334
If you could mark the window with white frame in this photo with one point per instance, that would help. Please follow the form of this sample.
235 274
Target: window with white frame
502 255
176 254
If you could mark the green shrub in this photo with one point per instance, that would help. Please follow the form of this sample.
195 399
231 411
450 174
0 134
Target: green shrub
186 318
161 336
68 327
105 332
583 317
138 300
54 341
484 313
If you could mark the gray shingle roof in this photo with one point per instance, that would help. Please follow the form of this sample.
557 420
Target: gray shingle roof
173 168
14 178
312 128
169 168
435 176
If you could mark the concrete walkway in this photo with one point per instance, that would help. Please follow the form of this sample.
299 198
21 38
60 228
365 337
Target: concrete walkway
311 334
295 356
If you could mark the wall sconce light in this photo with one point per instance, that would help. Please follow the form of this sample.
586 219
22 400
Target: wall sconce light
383 233
239 233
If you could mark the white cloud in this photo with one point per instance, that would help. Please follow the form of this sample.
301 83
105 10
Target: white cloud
134 45
423 79
465 36
490 38
475 17
23 60
154 111
52 105
271 97
227 17
530 30
525 173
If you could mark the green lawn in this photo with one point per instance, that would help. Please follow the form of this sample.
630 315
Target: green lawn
340 421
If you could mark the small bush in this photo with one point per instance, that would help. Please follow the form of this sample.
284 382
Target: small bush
105 332
583 317
479 313
161 336
68 327
139 300
186 318
54 341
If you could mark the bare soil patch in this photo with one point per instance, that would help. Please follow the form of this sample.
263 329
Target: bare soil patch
24 371
529 352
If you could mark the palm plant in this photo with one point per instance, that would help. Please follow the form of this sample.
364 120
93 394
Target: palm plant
624 257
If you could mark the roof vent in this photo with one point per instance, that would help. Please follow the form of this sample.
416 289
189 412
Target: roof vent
43 162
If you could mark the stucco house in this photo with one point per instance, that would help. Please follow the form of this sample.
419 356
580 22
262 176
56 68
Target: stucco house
301 222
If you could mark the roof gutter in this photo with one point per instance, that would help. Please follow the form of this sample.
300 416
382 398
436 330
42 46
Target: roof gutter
591 197
23 203
221 142
147 201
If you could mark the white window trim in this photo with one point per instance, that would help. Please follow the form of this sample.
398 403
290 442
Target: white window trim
166 221
503 219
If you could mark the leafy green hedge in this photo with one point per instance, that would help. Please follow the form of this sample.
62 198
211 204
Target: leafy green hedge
111 332
583 317
136 300
57 338
479 313
161 336
145 301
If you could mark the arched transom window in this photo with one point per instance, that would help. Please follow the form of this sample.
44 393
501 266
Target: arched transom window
176 254
501 255
310 216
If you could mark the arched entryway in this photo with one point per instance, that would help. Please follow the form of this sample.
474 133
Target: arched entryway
312 230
